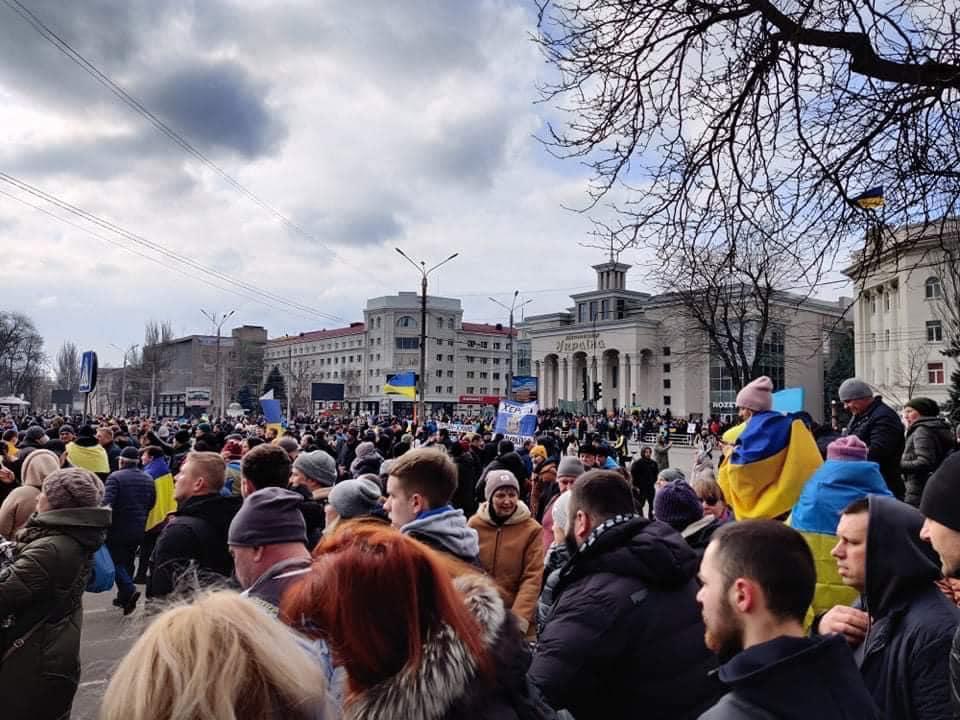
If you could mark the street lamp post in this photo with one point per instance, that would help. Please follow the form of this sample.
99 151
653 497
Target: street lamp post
123 378
513 306
218 324
421 379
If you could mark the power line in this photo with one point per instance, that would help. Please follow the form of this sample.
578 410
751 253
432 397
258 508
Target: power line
156 247
64 47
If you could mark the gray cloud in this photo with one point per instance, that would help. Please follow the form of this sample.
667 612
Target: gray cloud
362 226
470 151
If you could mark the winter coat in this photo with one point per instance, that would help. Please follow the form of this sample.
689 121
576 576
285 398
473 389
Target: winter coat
41 593
699 533
88 454
557 556
881 430
21 503
661 455
367 464
625 636
268 589
468 470
790 678
955 673
445 530
512 554
928 441
543 488
131 494
904 659
192 548
643 475
445 685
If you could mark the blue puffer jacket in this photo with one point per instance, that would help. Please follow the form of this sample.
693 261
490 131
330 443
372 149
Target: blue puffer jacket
130 493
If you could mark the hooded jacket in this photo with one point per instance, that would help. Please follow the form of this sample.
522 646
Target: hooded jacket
790 678
512 554
928 441
41 596
21 503
625 636
881 430
445 529
192 549
904 658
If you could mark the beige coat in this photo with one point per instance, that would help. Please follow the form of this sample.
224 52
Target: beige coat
20 504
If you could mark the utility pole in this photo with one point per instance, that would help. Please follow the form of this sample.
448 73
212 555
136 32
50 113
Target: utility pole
289 387
422 379
123 378
508 391
217 380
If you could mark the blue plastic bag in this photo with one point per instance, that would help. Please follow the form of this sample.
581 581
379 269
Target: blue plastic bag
103 574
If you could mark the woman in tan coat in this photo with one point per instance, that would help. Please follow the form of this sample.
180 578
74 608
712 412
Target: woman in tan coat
20 504
511 547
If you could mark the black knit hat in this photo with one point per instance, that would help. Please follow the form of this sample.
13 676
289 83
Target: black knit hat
940 501
924 406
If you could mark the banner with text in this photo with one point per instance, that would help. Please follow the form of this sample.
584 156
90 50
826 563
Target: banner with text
517 420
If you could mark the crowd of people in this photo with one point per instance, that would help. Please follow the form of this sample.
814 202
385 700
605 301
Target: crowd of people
372 568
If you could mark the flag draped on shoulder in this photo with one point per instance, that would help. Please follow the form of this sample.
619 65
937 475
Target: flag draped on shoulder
163 483
402 384
774 457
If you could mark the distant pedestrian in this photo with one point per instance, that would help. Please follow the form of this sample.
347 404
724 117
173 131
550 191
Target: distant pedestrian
877 424
928 441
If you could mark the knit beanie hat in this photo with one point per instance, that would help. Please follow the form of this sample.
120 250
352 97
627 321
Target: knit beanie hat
677 505
268 517
37 466
538 451
73 488
570 466
86 431
317 466
854 389
848 447
941 501
497 479
924 406
561 511
233 450
757 395
355 498
672 475
366 449
35 433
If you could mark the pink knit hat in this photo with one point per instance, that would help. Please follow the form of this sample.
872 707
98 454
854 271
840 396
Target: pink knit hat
757 395
848 447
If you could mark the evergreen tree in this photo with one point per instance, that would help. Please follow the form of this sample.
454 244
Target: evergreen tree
246 399
954 393
276 383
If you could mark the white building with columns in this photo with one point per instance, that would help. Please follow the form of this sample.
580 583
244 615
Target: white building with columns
642 350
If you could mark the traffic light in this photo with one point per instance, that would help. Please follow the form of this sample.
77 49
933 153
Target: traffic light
597 390
585 396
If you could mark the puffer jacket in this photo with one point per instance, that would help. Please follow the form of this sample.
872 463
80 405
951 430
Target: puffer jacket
928 441
512 554
41 596
624 637
131 494
21 503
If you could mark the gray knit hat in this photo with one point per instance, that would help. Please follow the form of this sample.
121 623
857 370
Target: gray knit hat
854 389
268 517
366 449
355 498
317 466
570 466
497 479
561 511
73 488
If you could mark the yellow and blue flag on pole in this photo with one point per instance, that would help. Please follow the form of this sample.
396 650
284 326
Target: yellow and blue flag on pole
272 412
404 383
869 199
774 457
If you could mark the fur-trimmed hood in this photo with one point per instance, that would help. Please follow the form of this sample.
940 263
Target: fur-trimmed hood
447 673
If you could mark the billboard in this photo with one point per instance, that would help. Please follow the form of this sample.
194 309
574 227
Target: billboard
323 392
197 397
524 388
88 371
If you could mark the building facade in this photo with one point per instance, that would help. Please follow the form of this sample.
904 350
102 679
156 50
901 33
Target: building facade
906 311
644 352
467 364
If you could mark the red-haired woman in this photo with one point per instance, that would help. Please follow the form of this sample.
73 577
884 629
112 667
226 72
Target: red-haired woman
413 642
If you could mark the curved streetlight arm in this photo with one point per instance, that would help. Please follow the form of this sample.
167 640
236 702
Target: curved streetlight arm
442 262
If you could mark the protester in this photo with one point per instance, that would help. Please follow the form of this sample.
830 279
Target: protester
21 503
903 625
543 481
630 578
643 476
569 469
218 657
232 455
419 490
85 452
587 454
131 494
757 580
507 459
661 452
558 555
877 424
105 438
511 550
191 551
712 500
448 650
678 506
41 596
367 460
355 501
928 441
155 465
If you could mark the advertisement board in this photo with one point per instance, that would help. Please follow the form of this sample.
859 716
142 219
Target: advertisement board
197 397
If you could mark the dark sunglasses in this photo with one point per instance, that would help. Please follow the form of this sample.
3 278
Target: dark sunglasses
710 500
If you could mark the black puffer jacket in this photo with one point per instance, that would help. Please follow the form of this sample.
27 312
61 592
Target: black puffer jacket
882 432
929 439
624 637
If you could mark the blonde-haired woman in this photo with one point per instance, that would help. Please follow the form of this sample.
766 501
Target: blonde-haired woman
219 657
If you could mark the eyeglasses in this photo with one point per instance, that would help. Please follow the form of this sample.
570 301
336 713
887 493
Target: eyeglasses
710 500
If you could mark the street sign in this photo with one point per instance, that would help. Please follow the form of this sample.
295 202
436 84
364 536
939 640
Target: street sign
88 371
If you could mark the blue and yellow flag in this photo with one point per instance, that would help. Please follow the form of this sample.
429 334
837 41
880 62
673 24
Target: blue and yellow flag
272 412
774 457
165 503
404 383
869 199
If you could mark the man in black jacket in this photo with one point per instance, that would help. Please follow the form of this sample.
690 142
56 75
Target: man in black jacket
624 637
758 579
192 549
880 428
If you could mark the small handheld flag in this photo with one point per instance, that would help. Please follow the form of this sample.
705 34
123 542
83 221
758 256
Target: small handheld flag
401 384
869 199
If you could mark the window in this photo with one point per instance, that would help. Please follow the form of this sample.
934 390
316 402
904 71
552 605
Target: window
873 304
470 374
471 343
666 383
496 376
934 331
449 389
873 340
496 346
666 367
449 358
621 308
935 373
450 343
483 361
469 389
439 323
449 323
439 373
440 357
666 351
593 309
407 343
439 389
378 340
604 309
449 373
378 322
496 361
886 339
405 321
378 356
483 390
666 401
933 290
484 375
886 302
470 358
484 344
581 312
496 391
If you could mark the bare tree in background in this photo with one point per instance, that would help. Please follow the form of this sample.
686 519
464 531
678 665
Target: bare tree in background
908 376
155 358
22 360
67 368
774 115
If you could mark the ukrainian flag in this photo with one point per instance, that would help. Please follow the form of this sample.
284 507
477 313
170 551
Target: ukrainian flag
272 412
404 383
869 199
774 457
164 484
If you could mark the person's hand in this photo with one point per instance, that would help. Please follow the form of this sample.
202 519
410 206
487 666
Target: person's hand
6 476
847 621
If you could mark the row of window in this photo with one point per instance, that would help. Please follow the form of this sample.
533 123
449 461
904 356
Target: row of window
936 375
932 290
934 334
604 310
483 390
